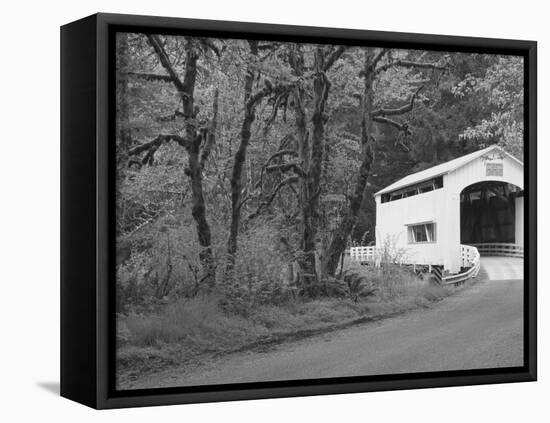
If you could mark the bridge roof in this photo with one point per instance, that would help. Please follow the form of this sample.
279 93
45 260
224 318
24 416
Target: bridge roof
441 169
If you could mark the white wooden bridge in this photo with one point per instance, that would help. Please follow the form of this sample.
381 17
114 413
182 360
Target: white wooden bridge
445 216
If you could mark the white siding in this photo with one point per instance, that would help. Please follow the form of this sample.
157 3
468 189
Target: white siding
393 217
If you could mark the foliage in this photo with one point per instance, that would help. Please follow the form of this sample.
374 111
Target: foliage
192 223
353 285
502 88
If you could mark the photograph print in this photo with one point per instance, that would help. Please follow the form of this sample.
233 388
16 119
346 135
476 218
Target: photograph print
294 211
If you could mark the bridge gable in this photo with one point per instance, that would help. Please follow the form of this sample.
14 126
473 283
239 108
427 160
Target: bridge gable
496 165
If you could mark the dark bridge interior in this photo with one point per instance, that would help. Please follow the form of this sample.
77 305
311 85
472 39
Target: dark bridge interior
487 213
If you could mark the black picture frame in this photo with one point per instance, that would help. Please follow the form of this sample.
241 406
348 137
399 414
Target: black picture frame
87 212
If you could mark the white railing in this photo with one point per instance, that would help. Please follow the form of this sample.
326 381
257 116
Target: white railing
363 254
470 260
469 254
501 249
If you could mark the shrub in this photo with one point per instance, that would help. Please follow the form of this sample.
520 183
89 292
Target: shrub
354 285
261 273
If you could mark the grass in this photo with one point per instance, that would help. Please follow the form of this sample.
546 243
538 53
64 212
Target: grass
190 329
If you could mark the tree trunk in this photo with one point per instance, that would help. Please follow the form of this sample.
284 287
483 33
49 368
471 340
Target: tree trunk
193 140
238 164
312 185
198 210
311 152
341 234
306 261
211 135
194 170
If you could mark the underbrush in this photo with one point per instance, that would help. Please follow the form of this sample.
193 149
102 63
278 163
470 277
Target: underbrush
190 328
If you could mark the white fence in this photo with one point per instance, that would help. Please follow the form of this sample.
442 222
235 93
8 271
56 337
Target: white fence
363 254
469 254
500 249
470 260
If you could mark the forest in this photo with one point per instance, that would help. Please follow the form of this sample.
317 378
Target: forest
246 168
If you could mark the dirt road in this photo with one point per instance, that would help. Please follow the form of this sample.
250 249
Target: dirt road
478 328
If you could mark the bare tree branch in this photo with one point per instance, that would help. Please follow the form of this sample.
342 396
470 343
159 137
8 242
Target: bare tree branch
285 167
156 143
410 64
402 144
268 46
165 62
265 204
244 201
281 153
399 110
276 104
400 126
259 95
150 76
209 44
333 57
378 57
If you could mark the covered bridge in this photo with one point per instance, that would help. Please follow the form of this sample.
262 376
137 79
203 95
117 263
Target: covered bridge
435 216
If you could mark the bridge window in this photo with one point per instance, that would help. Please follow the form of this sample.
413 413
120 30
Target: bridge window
411 190
422 233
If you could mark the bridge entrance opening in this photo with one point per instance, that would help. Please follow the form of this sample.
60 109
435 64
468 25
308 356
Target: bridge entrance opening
491 212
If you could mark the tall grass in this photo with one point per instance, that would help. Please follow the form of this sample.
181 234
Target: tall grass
198 320
397 288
